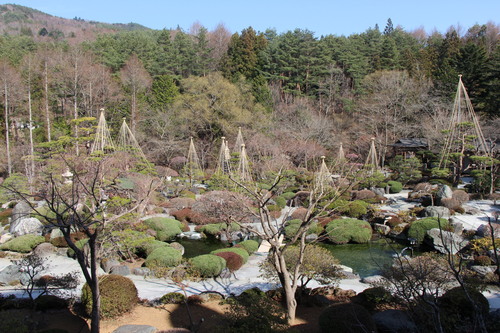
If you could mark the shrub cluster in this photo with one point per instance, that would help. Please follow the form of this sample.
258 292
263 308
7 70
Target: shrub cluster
215 229
166 229
148 247
23 244
172 298
342 231
250 245
118 296
238 250
292 227
233 260
346 317
418 228
163 256
208 265
395 186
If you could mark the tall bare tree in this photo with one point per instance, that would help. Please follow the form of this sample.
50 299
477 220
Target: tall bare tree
135 77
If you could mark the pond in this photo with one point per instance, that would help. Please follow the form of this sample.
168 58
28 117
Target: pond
366 259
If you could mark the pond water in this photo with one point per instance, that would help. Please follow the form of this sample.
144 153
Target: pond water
366 259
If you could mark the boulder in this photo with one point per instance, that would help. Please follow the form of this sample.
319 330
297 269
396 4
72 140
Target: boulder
178 246
372 279
208 296
457 225
27 225
136 329
56 233
44 249
436 211
107 264
484 230
120 270
378 191
21 210
10 275
483 270
444 192
141 271
469 210
394 321
444 241
6 237
382 228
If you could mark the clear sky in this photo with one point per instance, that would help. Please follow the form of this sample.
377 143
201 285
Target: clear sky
319 16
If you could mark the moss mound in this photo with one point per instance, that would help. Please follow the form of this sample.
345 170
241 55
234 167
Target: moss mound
342 231
208 265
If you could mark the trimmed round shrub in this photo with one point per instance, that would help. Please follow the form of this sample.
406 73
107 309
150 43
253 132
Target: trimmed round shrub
172 298
250 245
280 202
357 208
458 311
233 261
483 261
24 243
215 229
461 196
288 195
164 256
166 229
374 296
49 302
150 246
238 250
342 231
395 186
118 296
346 318
208 265
418 228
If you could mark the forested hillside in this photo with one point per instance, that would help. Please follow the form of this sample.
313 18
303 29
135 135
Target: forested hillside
296 96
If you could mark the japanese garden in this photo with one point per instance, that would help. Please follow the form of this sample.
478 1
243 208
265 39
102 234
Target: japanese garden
247 181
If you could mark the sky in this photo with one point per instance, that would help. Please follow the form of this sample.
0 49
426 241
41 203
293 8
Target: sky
322 17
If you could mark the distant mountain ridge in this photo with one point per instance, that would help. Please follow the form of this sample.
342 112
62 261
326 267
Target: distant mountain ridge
21 20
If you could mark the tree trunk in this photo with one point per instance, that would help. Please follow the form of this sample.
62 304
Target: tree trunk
46 88
7 129
75 111
94 287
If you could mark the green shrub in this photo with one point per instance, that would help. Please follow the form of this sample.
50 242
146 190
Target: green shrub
250 245
292 227
166 229
49 302
342 231
418 228
215 229
150 246
273 208
164 256
346 318
395 186
280 202
118 296
376 295
208 265
238 250
288 195
233 260
24 244
79 244
172 298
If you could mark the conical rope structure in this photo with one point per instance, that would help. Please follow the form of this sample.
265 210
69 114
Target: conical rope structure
102 141
244 173
127 141
193 166
464 131
239 141
322 178
223 165
341 153
372 158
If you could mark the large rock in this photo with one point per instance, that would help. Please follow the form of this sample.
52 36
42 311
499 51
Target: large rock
107 264
6 237
10 275
120 270
141 271
484 230
45 249
436 211
28 225
21 210
136 329
382 228
445 241
444 192
483 270
394 321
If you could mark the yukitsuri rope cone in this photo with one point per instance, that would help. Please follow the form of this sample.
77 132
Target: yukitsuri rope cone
102 141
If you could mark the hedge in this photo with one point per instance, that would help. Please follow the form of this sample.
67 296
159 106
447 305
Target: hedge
395 186
163 257
250 245
208 265
118 296
418 229
24 243
238 250
166 229
342 231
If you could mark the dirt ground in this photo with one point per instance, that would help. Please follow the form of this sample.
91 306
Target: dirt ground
163 318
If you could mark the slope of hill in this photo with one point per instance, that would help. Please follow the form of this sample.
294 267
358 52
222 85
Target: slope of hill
20 20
